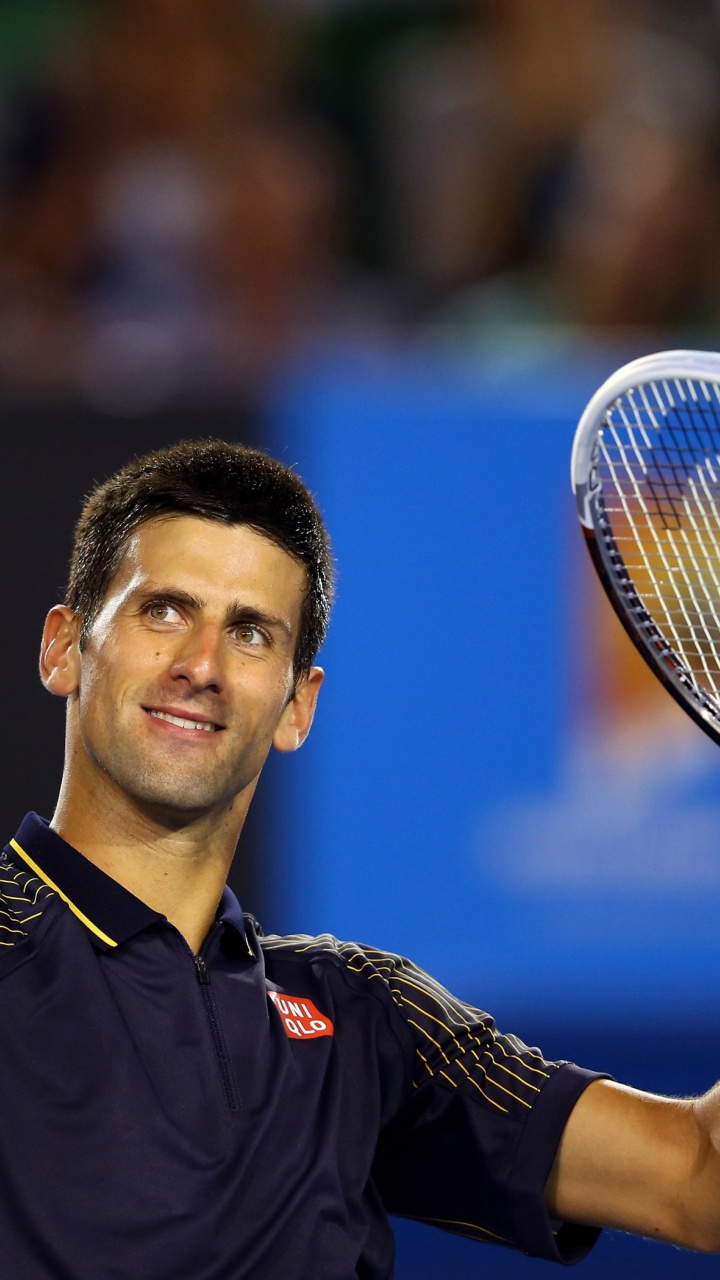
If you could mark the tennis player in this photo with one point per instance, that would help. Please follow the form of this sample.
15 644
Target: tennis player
185 1099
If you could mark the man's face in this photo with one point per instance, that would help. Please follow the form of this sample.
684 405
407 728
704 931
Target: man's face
187 674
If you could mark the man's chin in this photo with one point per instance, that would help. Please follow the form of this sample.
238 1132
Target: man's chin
179 799
173 796
173 810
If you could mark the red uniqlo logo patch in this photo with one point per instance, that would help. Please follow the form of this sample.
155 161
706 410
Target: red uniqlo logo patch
300 1018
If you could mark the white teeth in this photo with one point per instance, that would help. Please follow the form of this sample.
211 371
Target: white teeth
184 724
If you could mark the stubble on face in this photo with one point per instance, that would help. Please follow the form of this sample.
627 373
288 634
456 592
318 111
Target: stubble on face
191 666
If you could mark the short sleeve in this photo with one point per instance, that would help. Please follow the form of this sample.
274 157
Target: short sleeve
472 1146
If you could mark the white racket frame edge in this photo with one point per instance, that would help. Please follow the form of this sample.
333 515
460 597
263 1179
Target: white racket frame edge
662 366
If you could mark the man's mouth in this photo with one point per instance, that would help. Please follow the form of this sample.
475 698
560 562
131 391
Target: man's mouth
183 723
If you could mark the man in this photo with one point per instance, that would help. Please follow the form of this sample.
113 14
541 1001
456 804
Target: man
185 1099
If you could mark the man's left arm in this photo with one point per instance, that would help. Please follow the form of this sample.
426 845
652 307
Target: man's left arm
641 1163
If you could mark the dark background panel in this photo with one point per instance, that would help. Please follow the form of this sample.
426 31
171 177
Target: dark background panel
52 457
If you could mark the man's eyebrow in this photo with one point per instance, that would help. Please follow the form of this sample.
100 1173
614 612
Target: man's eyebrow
169 595
236 612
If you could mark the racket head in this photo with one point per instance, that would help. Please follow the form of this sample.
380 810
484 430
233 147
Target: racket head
645 473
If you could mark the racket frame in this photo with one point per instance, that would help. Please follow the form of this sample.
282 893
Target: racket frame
663 366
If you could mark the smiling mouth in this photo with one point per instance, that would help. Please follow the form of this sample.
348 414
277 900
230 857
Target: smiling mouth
206 725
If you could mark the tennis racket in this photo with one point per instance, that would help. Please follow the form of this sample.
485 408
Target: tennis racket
646 478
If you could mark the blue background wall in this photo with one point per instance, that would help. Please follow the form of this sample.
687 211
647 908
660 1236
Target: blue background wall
456 800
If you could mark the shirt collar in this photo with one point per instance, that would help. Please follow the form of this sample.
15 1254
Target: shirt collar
110 912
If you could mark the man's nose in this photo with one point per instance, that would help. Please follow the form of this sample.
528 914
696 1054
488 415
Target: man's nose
199 659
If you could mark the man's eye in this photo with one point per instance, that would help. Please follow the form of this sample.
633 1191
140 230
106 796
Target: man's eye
247 634
160 612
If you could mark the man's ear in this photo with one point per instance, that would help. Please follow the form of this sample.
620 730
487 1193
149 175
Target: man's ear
297 717
60 652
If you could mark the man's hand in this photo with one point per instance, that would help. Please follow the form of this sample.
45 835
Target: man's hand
641 1163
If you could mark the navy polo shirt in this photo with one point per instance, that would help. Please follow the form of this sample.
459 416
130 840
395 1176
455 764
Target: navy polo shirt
252 1113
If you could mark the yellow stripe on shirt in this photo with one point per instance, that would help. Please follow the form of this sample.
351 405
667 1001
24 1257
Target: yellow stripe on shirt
76 910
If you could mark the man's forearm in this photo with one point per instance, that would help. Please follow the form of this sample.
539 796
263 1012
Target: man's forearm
642 1163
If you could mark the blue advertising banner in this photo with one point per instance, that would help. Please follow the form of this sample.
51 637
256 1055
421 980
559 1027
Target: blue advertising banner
495 785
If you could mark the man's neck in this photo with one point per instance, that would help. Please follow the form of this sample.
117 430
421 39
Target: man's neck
177 867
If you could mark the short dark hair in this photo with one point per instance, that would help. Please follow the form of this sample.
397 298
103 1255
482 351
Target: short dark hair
215 480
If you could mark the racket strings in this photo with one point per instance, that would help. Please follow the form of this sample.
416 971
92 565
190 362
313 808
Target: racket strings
658 465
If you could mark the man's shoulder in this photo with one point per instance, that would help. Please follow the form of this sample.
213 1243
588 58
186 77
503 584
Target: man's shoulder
355 983
456 1043
365 969
370 970
23 899
325 948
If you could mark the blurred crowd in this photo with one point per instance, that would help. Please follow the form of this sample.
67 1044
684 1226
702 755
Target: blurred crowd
194 192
